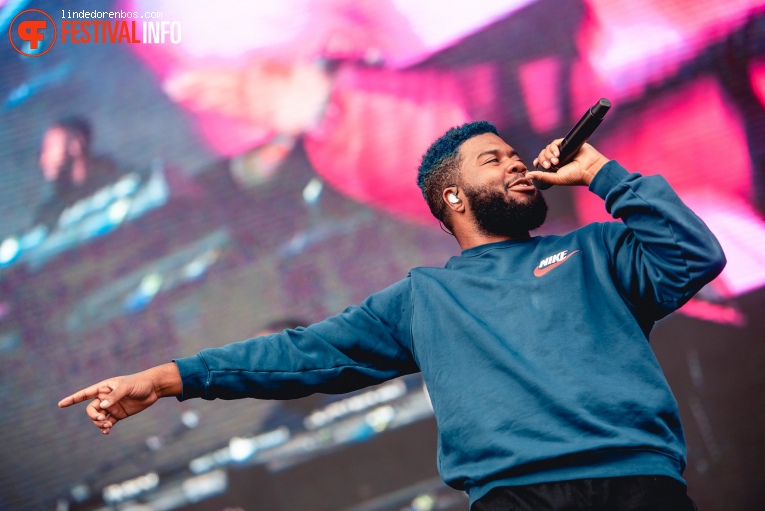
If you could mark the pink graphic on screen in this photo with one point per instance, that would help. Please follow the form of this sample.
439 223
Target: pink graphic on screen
757 77
539 79
398 32
379 123
365 126
631 44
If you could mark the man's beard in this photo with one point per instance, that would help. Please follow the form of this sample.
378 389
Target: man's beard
497 213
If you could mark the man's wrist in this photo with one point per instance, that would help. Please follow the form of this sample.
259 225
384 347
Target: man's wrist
167 380
594 168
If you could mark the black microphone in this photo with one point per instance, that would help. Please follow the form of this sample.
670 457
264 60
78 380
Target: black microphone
576 138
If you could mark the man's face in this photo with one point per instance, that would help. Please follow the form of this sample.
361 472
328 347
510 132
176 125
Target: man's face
53 153
502 199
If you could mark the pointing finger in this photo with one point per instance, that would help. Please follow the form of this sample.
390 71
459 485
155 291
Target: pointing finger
84 394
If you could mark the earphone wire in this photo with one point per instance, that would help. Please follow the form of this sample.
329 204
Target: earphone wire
443 228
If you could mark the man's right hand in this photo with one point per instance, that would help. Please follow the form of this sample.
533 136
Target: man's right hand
580 171
120 397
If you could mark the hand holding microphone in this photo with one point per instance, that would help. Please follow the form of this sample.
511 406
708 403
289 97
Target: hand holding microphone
570 160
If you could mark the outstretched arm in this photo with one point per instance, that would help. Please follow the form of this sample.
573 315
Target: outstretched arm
363 345
117 398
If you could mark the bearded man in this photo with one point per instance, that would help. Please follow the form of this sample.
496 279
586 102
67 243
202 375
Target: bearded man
534 349
73 171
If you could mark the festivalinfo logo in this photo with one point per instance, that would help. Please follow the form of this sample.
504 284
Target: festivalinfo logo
34 32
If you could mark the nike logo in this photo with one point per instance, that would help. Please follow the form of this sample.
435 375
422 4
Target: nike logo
551 262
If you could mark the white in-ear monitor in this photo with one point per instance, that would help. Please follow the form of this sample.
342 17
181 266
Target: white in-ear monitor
453 198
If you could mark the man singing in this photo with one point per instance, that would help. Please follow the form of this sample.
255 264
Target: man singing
534 349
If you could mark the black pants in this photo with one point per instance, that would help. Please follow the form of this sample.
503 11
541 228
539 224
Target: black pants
640 493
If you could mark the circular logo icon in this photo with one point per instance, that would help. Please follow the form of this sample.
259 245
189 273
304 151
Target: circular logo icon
32 33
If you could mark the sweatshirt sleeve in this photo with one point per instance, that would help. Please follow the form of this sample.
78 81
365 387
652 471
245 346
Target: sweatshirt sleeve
662 254
361 346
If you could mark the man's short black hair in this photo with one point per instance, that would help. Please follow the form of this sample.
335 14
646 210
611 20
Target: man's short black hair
77 127
439 168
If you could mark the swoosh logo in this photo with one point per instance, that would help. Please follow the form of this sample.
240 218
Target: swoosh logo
538 272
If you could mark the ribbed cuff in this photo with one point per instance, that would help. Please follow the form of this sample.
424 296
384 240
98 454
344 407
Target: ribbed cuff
194 375
610 175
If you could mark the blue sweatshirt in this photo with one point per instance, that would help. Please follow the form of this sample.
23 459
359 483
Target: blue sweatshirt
535 352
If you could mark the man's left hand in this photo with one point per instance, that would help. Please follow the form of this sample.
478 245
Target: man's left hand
580 171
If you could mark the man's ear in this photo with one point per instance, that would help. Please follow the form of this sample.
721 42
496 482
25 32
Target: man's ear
452 199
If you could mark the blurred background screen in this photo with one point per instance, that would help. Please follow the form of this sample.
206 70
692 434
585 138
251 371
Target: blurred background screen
180 174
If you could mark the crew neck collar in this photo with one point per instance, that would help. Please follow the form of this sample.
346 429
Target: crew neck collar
480 249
